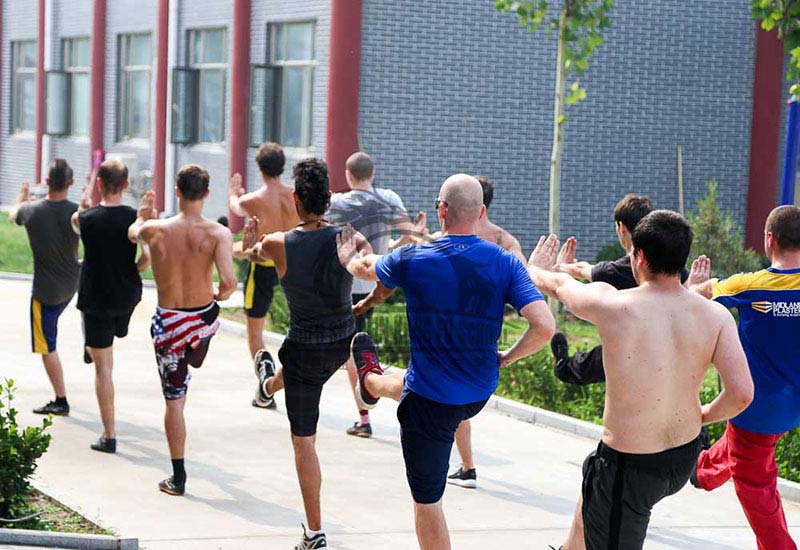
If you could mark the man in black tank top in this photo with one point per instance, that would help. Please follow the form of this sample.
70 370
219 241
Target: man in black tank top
321 324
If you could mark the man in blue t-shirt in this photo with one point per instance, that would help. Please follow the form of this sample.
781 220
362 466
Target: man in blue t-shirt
456 289
768 302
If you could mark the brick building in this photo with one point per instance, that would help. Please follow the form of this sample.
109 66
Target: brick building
427 89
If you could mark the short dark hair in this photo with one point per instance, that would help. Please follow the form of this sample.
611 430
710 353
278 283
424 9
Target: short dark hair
270 159
488 189
665 239
311 185
193 182
360 165
631 209
784 223
113 174
59 174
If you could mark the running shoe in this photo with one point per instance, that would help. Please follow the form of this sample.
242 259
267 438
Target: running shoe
264 366
559 347
360 430
464 478
105 445
312 543
365 355
693 479
56 409
170 487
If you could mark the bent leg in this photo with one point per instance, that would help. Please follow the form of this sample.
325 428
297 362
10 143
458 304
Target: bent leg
431 526
310 478
389 385
575 539
255 334
52 365
104 387
464 444
175 426
714 465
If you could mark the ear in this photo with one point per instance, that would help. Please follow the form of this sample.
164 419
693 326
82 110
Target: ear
70 183
640 259
483 213
296 198
178 192
208 192
771 242
127 183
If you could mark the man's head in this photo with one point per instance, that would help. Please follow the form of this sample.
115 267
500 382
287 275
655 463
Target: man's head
270 159
460 202
359 169
192 182
488 190
59 175
627 214
661 244
311 188
112 177
782 231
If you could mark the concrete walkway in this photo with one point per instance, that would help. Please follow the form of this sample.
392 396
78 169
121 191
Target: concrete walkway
242 489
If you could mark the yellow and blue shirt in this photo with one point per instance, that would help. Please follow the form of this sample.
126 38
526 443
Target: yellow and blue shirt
768 302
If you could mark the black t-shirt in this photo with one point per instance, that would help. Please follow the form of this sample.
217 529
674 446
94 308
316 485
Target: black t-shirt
110 282
619 273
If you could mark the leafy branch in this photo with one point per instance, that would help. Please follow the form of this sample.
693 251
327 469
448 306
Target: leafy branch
784 17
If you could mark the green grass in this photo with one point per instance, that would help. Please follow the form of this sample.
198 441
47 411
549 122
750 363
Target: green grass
15 253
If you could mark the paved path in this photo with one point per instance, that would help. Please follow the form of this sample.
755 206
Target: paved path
242 490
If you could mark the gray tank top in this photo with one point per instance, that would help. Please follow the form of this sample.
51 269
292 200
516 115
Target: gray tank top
317 288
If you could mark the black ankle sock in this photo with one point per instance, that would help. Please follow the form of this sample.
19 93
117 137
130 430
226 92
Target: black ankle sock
61 400
178 471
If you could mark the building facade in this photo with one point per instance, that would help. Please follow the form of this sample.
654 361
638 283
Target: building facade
428 89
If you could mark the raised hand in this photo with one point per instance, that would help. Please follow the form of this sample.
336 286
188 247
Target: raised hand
361 308
544 255
346 244
421 222
235 186
147 207
24 193
701 271
567 253
86 197
250 235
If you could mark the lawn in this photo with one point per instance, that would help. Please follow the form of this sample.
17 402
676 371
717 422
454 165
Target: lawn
15 253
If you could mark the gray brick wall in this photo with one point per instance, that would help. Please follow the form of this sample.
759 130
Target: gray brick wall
458 87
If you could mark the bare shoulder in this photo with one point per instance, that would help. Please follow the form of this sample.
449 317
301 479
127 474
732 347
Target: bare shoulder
153 228
278 237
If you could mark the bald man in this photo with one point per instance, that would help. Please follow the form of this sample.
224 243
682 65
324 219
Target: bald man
456 289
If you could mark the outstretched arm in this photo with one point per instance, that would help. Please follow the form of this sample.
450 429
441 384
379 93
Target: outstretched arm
235 192
355 254
411 233
541 327
253 248
700 279
378 295
84 204
568 264
147 211
731 363
23 197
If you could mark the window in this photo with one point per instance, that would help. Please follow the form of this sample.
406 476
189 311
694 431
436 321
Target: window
77 61
207 55
135 69
282 106
23 91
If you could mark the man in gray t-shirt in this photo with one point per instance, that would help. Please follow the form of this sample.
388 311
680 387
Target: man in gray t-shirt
55 270
374 213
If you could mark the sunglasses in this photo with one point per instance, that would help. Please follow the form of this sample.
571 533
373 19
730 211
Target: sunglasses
438 202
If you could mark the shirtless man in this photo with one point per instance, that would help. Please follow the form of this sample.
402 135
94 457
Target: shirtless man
658 340
185 249
466 476
273 205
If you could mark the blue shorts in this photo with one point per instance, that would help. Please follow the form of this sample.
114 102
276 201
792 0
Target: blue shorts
427 431
44 326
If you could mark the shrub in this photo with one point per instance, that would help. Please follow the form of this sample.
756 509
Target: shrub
717 236
19 450
610 252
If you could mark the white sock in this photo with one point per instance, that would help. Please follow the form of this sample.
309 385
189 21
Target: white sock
311 533
265 386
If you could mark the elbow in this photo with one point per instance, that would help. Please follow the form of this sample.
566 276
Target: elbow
547 328
744 393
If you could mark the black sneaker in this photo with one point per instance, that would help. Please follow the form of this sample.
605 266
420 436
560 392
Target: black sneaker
264 366
105 445
466 479
360 430
170 487
312 543
693 479
365 355
56 409
705 438
87 358
559 347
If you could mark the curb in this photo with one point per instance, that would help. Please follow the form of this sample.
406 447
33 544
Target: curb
9 276
66 540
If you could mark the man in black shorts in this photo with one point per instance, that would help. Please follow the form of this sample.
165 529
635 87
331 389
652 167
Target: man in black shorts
55 270
318 292
110 285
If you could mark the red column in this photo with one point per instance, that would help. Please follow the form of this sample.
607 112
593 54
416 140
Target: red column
98 84
764 135
40 83
1 65
240 98
160 146
343 87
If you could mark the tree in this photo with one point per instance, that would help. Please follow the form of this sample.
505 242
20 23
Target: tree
784 16
580 25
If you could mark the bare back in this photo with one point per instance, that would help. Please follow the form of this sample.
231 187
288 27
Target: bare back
274 207
184 251
657 345
492 233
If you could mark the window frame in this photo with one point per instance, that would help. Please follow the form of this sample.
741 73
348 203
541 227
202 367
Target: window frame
202 69
310 66
72 70
19 73
125 70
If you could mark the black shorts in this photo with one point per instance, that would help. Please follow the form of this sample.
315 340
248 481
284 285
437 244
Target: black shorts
427 431
306 368
620 490
361 320
259 288
99 329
